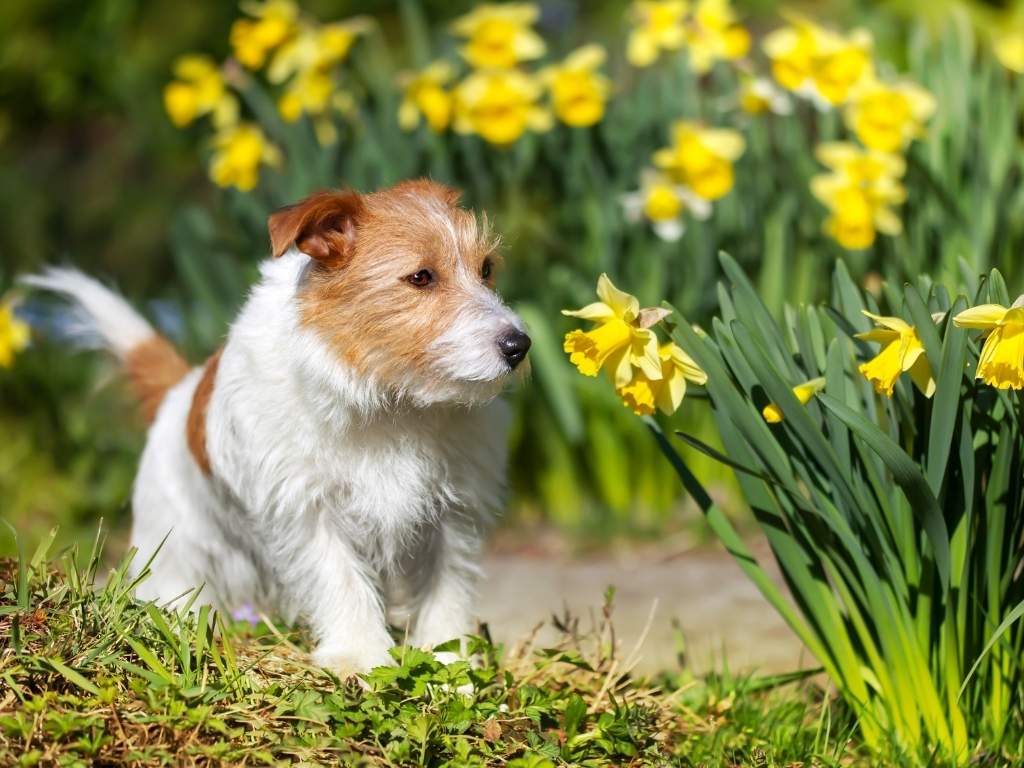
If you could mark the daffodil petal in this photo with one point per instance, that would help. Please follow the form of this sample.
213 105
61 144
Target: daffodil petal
982 317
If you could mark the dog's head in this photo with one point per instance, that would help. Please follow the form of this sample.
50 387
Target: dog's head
401 287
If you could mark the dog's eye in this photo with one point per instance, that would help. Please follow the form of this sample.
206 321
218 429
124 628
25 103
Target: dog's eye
485 270
421 279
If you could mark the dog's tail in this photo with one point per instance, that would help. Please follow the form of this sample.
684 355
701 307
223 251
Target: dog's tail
104 319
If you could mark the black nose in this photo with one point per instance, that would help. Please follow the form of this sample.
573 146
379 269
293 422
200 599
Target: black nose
513 346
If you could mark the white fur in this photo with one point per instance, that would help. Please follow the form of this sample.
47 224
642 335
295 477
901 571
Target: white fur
102 317
329 498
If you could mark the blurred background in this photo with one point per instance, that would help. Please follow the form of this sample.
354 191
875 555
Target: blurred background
94 172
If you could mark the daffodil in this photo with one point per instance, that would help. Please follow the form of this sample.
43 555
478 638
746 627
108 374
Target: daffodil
759 95
791 51
499 36
499 105
578 90
1009 49
238 153
658 25
316 48
643 394
713 35
14 334
888 117
272 22
902 352
425 95
860 193
618 342
199 90
701 158
802 392
664 203
817 62
1001 363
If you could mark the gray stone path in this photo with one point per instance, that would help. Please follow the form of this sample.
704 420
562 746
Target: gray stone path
721 613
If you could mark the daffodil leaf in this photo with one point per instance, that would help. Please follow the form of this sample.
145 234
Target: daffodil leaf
908 476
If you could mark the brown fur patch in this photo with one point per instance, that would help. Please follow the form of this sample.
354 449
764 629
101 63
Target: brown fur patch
153 367
365 307
195 424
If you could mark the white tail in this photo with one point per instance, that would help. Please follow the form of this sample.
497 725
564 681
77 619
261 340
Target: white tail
102 317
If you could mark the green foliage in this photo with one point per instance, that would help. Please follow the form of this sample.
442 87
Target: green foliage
898 523
92 676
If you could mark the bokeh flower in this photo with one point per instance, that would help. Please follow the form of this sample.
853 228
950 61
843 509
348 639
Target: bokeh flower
658 25
802 392
664 203
425 96
499 36
860 193
271 23
888 117
1009 49
902 352
1001 363
499 105
578 90
14 334
714 35
701 158
643 394
817 62
617 343
317 48
759 95
199 90
238 153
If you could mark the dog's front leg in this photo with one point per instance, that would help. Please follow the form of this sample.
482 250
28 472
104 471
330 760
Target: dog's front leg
448 590
343 604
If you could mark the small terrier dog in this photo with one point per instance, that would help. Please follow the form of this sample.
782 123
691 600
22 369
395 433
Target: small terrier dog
340 457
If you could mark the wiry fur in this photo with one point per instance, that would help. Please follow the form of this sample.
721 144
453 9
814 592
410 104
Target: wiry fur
355 449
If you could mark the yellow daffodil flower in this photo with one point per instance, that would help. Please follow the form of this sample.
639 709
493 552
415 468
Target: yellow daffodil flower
199 90
499 106
14 334
658 25
308 92
860 193
713 35
499 36
272 23
1001 363
238 153
643 394
701 158
759 95
791 51
617 343
818 62
888 117
902 352
1009 49
803 392
578 90
316 48
425 96
664 203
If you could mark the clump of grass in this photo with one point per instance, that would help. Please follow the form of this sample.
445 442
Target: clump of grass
92 676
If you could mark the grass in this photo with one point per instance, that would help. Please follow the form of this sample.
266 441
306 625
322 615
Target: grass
90 676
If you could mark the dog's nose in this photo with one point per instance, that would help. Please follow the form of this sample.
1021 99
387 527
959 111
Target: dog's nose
513 347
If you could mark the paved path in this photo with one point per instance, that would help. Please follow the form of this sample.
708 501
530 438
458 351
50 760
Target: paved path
721 613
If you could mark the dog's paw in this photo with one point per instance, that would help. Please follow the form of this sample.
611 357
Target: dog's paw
351 661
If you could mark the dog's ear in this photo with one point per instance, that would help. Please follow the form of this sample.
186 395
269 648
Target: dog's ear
322 226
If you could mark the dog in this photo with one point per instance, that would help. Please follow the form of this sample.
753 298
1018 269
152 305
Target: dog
340 458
